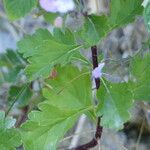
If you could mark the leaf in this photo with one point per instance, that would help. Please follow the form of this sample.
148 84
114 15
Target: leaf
10 137
45 128
80 59
21 94
11 64
122 12
50 17
69 81
10 59
140 70
16 9
44 51
60 111
66 38
115 101
89 33
12 76
146 15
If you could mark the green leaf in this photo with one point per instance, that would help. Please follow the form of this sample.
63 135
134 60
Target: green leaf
66 38
146 15
72 82
44 51
89 33
21 94
140 71
45 128
79 58
16 9
115 101
12 75
50 17
10 137
60 111
10 59
122 12
11 64
1 78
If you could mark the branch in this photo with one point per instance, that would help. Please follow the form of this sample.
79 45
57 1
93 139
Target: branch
99 128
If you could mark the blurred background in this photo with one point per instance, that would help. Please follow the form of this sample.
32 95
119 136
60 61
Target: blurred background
120 43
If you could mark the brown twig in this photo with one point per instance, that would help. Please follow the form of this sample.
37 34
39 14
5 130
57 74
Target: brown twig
99 128
95 64
95 140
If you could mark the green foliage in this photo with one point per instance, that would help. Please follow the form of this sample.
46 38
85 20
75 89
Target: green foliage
140 72
67 90
45 128
69 81
10 137
11 65
66 101
115 100
44 51
50 17
21 94
89 33
16 9
146 15
66 37
11 76
122 12
10 58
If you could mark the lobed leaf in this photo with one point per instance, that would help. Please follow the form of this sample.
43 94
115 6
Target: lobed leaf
122 12
45 50
60 111
16 9
115 101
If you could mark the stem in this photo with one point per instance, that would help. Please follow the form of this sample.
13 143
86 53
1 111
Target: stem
95 64
94 142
